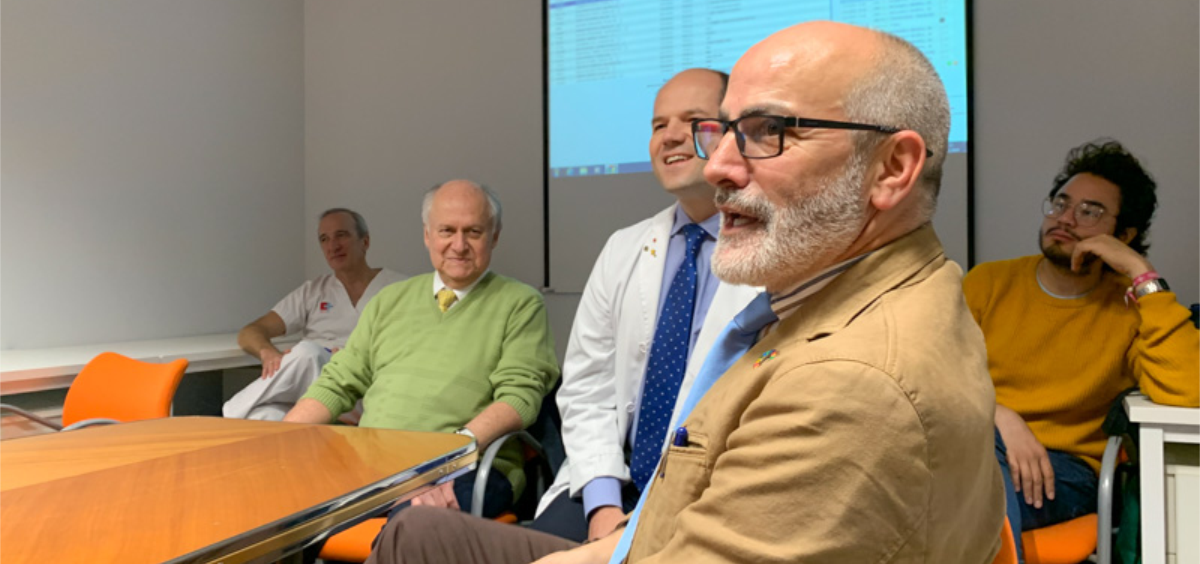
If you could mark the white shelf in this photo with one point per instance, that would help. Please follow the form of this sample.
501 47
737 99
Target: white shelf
33 370
1142 410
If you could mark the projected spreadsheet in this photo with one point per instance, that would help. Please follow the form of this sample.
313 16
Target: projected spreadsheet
608 58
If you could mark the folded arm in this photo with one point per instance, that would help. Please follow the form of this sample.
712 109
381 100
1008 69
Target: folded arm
255 339
1165 355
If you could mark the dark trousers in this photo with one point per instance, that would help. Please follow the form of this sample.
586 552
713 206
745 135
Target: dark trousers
1075 487
433 535
564 516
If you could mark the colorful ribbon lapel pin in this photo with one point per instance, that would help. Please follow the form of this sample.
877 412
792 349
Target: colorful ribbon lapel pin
765 357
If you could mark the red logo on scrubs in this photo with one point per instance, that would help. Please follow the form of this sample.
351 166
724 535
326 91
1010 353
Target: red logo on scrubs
325 306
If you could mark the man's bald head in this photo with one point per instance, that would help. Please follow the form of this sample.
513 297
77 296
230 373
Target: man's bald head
868 76
818 194
838 53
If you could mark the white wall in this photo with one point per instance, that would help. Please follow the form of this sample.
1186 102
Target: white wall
1052 75
152 166
402 95
155 153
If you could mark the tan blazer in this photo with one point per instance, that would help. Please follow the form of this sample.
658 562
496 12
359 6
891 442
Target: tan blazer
866 439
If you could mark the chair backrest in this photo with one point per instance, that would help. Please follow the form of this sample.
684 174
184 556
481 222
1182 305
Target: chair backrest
539 473
114 386
547 429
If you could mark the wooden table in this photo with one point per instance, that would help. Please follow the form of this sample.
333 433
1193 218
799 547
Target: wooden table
201 489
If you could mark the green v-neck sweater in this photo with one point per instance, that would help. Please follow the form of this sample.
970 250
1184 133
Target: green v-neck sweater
419 369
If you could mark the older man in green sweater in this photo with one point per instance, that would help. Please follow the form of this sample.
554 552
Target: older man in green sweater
461 349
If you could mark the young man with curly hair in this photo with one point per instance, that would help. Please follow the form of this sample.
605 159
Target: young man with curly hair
1068 330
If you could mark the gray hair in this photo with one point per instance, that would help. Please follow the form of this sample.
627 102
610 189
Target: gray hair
902 89
360 224
494 210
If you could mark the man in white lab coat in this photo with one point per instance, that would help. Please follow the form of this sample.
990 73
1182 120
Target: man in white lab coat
649 313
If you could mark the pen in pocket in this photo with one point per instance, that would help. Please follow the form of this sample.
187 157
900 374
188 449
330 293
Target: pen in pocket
680 439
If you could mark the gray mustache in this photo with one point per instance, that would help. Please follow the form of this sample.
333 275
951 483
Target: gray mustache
745 204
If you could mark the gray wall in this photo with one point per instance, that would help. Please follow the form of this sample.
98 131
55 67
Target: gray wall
1051 75
152 166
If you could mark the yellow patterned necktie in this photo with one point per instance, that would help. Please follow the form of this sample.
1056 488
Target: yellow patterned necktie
446 298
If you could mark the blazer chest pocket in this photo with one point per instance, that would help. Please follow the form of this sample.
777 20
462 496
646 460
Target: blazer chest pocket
682 475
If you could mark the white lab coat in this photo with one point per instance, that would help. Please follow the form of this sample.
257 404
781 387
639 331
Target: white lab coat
609 345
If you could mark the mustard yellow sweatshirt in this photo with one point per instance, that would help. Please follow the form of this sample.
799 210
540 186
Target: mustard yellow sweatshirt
1060 363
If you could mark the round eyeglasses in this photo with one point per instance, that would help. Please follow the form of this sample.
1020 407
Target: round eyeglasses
1086 213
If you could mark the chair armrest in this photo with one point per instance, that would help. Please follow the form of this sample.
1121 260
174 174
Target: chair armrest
89 423
484 467
1107 488
30 416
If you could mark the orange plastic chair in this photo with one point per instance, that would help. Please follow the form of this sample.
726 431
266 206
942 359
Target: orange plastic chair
1074 541
1008 546
353 544
114 388
1065 543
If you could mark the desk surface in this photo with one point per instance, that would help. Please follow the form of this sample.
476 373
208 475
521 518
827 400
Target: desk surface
45 369
1142 410
194 489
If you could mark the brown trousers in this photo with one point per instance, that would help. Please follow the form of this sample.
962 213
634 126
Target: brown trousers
420 535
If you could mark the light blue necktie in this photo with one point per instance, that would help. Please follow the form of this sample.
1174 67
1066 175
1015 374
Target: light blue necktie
737 338
667 363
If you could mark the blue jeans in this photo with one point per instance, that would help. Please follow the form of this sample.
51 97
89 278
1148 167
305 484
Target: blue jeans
1075 485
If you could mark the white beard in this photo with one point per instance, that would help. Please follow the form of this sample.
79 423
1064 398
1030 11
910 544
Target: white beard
799 239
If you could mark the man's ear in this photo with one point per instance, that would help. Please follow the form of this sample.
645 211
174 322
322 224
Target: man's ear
897 166
495 238
1127 235
366 242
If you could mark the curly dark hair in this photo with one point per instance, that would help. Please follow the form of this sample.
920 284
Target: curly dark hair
1109 160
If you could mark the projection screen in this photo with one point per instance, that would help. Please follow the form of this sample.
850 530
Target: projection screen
606 59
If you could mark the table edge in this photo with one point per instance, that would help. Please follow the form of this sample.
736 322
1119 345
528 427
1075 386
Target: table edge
261 539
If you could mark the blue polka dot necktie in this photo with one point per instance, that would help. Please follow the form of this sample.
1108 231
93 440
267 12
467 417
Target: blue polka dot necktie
668 361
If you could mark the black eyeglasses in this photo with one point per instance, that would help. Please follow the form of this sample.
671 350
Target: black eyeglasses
761 136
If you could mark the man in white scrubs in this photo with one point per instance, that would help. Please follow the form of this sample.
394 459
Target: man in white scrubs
323 310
